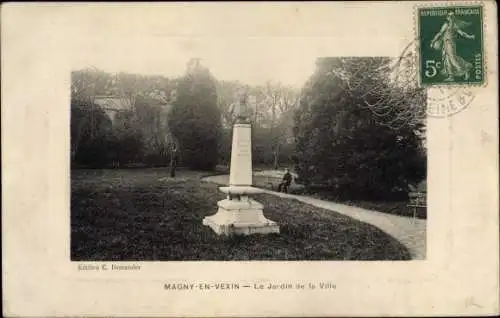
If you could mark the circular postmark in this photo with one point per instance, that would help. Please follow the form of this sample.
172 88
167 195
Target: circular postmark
447 101
440 100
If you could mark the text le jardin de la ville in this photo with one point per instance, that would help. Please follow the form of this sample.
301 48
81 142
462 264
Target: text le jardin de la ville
255 286
205 286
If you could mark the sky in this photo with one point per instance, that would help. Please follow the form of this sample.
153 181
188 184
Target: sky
250 60
250 43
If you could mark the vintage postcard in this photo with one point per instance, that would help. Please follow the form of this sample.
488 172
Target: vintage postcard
250 159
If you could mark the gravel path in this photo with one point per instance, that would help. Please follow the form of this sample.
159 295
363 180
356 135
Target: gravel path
411 232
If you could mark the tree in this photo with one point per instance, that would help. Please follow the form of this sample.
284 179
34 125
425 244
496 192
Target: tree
285 100
86 85
340 143
394 81
195 120
138 107
126 140
173 155
274 106
227 95
89 130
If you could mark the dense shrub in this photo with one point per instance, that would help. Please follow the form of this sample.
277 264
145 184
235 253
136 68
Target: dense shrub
340 146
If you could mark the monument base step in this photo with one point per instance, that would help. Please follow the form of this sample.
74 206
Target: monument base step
240 217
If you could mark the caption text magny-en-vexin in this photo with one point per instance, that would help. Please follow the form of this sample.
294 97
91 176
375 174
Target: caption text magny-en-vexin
258 286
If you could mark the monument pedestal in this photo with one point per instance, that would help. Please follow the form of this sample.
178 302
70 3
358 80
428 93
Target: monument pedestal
244 216
239 214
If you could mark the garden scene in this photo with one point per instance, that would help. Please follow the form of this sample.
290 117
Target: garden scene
150 153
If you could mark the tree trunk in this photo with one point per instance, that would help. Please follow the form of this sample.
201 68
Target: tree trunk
276 155
173 164
173 158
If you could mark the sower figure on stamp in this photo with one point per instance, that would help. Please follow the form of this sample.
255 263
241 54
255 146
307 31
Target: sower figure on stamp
287 180
444 40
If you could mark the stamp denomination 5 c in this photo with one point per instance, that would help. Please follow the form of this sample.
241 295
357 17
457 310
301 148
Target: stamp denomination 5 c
451 45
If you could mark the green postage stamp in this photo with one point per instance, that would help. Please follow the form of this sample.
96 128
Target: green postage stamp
451 45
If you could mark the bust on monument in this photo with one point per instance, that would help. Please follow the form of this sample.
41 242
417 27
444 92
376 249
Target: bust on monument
240 109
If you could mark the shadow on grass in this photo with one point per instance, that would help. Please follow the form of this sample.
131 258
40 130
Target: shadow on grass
138 215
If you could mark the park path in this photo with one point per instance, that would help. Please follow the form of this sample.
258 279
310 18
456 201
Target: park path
410 232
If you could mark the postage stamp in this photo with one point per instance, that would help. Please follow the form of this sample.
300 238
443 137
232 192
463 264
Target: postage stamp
451 45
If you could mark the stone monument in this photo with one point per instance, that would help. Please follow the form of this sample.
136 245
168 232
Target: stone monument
238 213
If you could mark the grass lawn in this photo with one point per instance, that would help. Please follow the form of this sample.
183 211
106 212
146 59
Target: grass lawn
142 214
390 207
397 207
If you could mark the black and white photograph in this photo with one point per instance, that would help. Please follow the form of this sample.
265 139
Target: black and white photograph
313 158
